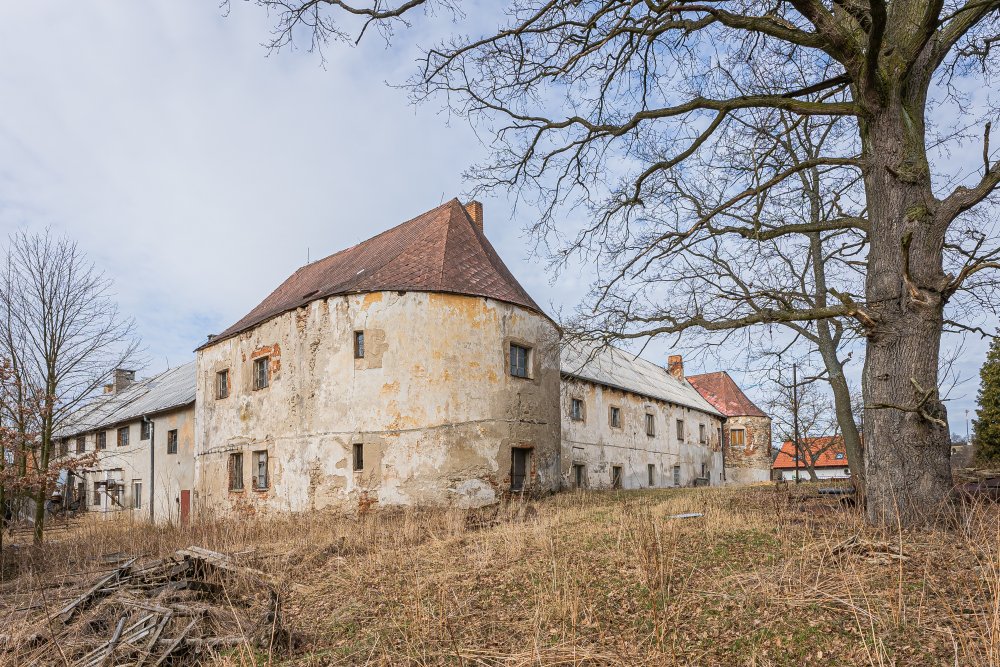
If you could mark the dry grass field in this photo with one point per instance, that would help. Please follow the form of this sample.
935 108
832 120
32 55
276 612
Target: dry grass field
764 577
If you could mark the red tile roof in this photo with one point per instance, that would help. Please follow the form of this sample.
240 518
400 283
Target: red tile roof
833 445
438 251
725 395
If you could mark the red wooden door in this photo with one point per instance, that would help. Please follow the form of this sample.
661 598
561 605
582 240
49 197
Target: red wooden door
185 506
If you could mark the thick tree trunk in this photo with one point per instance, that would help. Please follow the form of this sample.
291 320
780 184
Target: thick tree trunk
907 454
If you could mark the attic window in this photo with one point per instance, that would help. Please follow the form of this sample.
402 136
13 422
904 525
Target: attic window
702 434
615 417
650 424
840 456
680 430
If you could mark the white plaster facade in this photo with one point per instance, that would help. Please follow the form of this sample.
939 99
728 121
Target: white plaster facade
432 403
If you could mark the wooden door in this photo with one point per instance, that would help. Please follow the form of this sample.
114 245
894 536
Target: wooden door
185 506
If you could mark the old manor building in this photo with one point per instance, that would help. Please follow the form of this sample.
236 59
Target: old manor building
413 368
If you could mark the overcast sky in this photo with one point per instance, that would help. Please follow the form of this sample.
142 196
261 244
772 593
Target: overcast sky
199 171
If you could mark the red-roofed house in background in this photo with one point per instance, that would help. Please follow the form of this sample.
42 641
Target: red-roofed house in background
746 431
827 456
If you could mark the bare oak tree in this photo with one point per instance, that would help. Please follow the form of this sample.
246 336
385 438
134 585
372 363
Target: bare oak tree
62 332
607 104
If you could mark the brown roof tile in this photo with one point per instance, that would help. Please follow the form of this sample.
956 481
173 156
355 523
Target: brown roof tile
437 251
725 395
829 448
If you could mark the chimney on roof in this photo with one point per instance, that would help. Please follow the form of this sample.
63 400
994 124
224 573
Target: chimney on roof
123 378
475 211
675 366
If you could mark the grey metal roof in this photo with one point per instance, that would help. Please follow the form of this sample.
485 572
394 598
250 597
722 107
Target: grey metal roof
171 389
619 369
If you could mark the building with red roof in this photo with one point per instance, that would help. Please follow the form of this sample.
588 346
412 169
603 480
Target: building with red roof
746 431
827 455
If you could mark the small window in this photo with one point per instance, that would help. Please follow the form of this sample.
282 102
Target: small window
236 472
172 441
615 417
677 475
737 437
840 456
222 384
359 456
136 494
576 410
359 344
97 493
260 478
702 434
261 372
102 440
616 477
81 444
123 436
64 447
680 430
145 430
651 474
579 475
650 425
519 357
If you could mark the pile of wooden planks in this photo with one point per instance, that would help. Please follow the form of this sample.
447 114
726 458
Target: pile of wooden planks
167 611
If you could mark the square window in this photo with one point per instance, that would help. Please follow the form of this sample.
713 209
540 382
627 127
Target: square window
261 372
123 436
737 437
81 444
680 430
651 474
260 478
145 430
236 471
102 440
576 409
359 344
172 441
222 384
616 477
650 424
519 358
359 456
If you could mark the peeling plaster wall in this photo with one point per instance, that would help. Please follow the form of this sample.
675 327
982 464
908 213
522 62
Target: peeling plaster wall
595 444
128 464
752 462
432 402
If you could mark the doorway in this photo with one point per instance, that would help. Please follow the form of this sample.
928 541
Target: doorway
518 468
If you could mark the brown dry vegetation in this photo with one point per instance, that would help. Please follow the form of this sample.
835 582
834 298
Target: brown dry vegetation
594 578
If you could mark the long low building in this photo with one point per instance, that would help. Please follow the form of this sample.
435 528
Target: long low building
409 369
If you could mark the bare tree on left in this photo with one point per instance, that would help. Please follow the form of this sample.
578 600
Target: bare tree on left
62 332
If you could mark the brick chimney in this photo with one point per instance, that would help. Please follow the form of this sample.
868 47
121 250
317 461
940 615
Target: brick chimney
475 211
123 378
675 366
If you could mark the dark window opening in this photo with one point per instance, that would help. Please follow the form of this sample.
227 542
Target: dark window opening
576 410
519 357
615 417
677 475
64 447
136 494
260 479
102 440
261 372
650 424
172 441
680 430
702 434
81 444
359 344
518 468
123 436
359 456
145 430
579 476
236 472
222 384
616 477
651 474
97 493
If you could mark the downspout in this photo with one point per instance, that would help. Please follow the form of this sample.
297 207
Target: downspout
152 464
722 446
